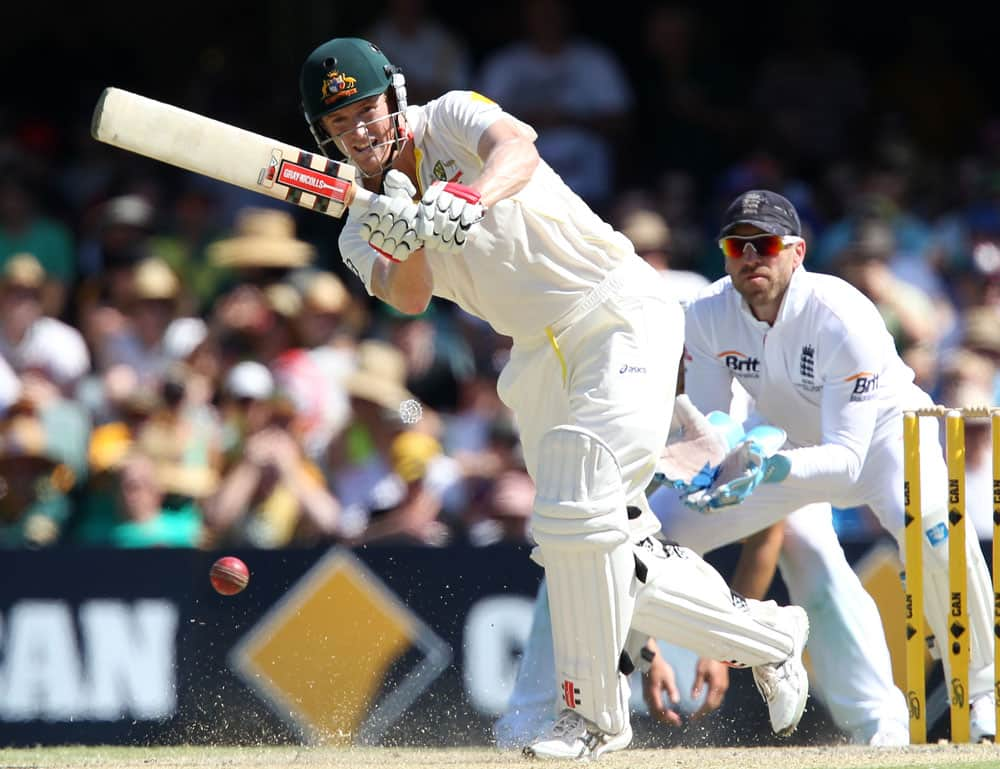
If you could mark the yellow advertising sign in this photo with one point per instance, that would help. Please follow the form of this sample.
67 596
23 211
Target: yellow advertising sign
323 654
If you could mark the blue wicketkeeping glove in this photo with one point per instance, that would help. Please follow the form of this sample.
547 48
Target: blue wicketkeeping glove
752 462
691 460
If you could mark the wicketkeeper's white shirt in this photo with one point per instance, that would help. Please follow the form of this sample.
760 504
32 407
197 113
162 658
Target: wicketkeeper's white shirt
827 371
535 255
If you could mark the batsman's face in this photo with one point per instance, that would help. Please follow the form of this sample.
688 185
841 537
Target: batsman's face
762 280
364 132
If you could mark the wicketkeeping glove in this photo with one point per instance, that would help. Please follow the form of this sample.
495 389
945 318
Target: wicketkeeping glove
448 211
691 459
390 224
754 461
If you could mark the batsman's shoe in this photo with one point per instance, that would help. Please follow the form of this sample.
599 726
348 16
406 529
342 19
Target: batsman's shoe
890 734
983 719
574 737
785 685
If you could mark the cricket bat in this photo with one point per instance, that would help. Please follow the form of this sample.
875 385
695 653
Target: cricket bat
221 151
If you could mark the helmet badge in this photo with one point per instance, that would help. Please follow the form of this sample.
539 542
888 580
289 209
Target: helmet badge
337 86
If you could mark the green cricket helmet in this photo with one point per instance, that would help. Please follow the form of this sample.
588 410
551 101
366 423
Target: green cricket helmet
343 71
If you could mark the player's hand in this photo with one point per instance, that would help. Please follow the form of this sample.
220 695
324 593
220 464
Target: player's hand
752 462
448 212
390 224
659 686
696 449
713 677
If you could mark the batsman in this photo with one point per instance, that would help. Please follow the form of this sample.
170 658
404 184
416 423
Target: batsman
469 212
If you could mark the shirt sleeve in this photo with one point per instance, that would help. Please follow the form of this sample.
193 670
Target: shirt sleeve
848 414
707 382
463 116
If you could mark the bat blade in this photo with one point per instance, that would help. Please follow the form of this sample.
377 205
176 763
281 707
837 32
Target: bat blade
221 151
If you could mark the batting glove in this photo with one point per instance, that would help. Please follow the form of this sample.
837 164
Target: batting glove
448 211
753 462
390 224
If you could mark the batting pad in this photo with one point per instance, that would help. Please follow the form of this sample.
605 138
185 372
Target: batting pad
582 530
687 602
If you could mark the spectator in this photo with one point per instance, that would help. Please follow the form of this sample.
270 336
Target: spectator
409 508
10 386
909 313
315 382
31 340
326 304
437 360
418 43
194 220
502 493
981 334
120 225
262 248
688 93
137 343
130 507
41 460
651 237
255 318
273 496
358 463
187 341
25 228
810 95
183 440
574 93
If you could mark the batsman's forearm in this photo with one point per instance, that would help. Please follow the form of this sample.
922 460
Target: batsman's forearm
407 286
508 168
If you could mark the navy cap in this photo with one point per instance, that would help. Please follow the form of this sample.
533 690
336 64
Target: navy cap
765 210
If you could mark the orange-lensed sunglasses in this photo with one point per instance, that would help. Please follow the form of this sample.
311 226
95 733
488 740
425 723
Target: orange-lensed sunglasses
765 245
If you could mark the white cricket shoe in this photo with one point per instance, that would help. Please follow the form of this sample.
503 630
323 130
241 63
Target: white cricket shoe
890 734
983 718
785 685
574 737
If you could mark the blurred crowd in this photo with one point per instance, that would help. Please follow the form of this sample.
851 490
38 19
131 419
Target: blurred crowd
188 364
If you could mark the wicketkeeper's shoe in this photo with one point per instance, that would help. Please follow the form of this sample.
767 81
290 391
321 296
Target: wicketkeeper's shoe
574 737
785 685
983 718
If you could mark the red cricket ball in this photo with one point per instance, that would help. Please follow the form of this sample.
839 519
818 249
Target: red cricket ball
229 575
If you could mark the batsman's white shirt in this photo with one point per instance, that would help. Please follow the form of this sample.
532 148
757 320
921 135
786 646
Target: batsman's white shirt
587 315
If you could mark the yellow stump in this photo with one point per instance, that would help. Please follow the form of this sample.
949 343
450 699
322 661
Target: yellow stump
995 424
916 674
958 622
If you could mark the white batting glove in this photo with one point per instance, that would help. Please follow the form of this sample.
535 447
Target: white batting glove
448 211
390 224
